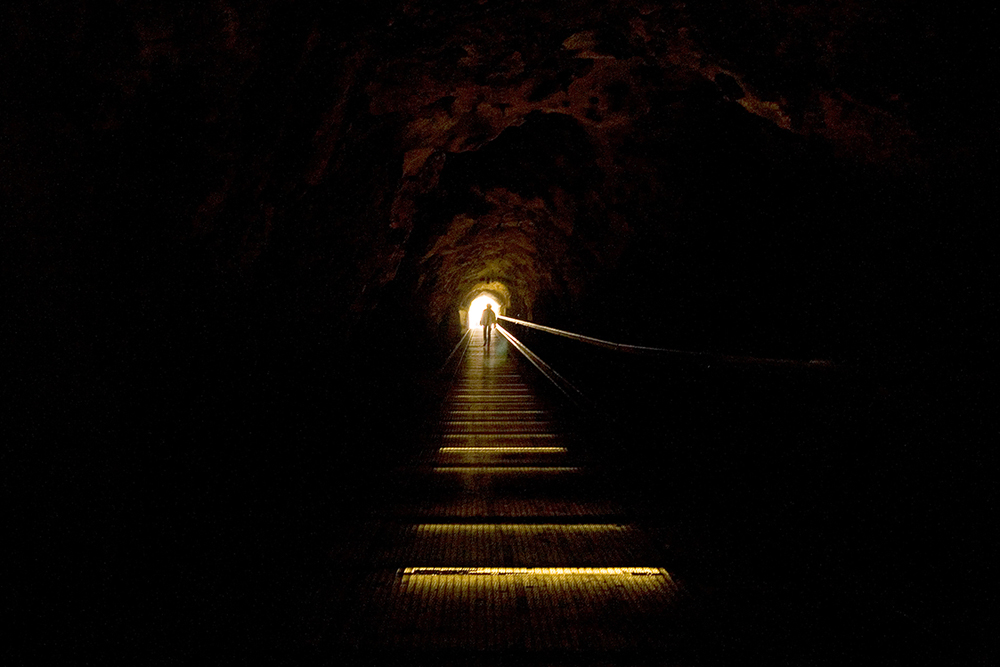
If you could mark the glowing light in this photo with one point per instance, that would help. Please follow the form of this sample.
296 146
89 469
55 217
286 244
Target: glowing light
506 450
535 571
477 307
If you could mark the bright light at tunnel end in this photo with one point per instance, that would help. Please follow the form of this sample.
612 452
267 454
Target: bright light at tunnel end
477 307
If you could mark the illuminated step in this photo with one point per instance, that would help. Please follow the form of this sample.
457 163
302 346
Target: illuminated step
502 504
498 423
536 571
499 427
493 405
521 545
490 391
465 412
490 396
506 456
493 390
487 436
491 381
479 397
496 416
493 470
504 401
506 450
572 609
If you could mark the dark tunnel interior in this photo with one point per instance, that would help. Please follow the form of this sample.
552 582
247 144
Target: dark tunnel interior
237 236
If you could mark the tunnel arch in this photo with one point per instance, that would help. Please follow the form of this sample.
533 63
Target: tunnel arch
524 209
494 289
479 306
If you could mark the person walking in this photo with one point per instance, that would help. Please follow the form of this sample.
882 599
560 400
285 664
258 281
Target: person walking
488 320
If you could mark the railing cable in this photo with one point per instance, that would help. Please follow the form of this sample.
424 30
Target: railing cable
564 385
462 344
665 352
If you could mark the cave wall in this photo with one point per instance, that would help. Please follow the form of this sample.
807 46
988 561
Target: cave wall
222 218
310 161
208 192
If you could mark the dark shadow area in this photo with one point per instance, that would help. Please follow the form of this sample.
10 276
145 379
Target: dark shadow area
184 489
804 505
236 235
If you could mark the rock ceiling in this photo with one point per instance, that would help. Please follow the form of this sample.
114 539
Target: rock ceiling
618 87
428 147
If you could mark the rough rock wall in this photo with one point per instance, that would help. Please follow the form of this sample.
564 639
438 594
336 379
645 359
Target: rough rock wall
303 155
201 200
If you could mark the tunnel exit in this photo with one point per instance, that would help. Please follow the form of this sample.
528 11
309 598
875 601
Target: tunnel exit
477 307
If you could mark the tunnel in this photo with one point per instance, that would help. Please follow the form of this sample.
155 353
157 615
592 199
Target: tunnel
242 237
474 313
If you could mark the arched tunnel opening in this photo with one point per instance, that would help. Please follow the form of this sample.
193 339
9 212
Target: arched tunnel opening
241 239
504 213
473 312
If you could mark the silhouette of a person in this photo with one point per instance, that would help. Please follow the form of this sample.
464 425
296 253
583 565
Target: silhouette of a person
488 319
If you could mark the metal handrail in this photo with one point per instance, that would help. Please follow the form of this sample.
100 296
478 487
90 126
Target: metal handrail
466 338
664 352
564 385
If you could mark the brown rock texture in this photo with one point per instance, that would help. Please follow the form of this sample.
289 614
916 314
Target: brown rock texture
260 132
236 235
